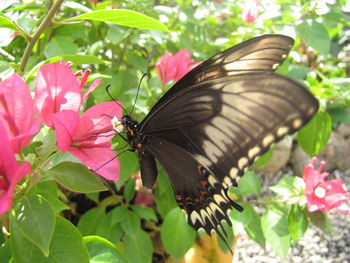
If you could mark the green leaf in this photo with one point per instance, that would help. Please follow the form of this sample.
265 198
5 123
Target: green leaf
76 177
297 222
264 159
115 34
88 223
131 224
119 214
275 227
177 236
315 135
76 59
48 138
109 231
339 112
289 186
129 190
253 227
248 184
144 212
36 220
102 251
59 46
124 18
7 23
251 222
66 245
321 220
299 72
139 249
48 189
315 34
338 17
5 251
164 195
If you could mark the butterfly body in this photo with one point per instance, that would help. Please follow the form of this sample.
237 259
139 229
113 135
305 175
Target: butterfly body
213 123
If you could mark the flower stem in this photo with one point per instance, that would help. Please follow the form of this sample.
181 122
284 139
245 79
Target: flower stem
42 27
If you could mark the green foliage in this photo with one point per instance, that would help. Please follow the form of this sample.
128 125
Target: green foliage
36 220
275 227
176 235
102 251
120 44
83 181
248 184
315 135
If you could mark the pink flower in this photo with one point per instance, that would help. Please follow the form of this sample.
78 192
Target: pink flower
17 112
143 196
57 89
250 11
174 67
10 171
324 195
88 137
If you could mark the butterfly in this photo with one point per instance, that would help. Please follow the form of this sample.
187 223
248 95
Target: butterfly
215 121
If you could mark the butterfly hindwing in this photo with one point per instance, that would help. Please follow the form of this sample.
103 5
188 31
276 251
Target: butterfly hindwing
198 193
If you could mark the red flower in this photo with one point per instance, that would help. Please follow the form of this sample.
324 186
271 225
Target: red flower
250 10
174 67
10 172
17 112
324 195
57 88
88 137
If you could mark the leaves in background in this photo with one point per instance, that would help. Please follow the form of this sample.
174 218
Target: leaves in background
315 135
315 34
124 18
76 177
177 236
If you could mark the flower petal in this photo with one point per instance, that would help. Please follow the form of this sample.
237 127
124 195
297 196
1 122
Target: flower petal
10 172
65 123
101 158
95 124
91 88
56 89
17 112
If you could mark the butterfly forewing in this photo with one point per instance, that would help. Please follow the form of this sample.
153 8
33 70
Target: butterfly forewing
259 54
228 122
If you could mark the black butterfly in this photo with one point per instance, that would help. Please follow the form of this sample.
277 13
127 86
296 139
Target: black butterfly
214 122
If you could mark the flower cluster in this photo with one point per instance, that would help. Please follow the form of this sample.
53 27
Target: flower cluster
324 195
57 101
174 67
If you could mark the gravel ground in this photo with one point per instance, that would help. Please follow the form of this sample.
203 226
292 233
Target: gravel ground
315 246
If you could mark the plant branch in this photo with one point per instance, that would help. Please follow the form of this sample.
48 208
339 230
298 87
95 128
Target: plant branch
42 27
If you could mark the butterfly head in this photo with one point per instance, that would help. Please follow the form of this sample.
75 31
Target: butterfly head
132 130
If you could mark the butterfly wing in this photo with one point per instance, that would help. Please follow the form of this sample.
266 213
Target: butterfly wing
197 192
260 54
217 119
223 125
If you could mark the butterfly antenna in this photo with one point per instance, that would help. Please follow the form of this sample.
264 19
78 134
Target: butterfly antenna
109 94
137 93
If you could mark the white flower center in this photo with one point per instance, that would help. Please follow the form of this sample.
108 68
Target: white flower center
320 192
117 125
